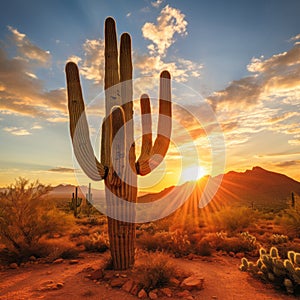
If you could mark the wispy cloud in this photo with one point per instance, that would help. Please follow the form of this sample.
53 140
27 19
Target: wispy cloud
277 76
27 49
157 3
169 22
269 99
62 170
21 91
17 131
288 163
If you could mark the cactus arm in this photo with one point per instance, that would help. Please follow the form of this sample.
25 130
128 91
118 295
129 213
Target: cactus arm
161 144
111 54
118 142
79 127
126 75
146 129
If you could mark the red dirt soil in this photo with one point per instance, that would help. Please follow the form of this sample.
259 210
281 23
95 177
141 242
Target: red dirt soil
222 280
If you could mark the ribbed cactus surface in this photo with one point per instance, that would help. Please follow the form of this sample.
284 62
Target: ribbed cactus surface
118 166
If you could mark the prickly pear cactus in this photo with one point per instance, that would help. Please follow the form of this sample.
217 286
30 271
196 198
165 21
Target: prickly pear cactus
270 267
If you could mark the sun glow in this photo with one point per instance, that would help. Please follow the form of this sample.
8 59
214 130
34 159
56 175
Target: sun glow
192 173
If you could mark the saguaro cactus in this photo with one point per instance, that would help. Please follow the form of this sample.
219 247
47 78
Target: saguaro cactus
75 203
119 167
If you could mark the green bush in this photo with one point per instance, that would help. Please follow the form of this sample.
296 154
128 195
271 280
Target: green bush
26 216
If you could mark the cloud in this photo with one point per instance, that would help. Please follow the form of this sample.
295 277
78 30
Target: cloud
157 3
21 91
295 38
16 131
181 69
277 76
62 170
169 22
288 163
27 49
92 64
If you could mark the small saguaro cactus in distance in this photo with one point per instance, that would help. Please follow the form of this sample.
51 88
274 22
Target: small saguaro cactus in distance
89 200
75 203
293 200
118 166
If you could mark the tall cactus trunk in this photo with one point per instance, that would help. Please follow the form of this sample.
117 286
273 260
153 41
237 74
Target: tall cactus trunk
121 181
119 167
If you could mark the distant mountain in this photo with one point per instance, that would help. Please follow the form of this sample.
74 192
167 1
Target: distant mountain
65 191
258 188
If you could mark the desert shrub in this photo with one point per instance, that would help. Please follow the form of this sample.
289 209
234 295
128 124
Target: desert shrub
234 219
270 267
176 242
203 248
26 215
243 242
150 228
156 271
290 220
96 242
158 241
54 249
276 239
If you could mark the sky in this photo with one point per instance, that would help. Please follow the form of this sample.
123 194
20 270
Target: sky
234 63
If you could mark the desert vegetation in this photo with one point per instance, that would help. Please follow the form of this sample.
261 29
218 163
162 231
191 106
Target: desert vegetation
37 227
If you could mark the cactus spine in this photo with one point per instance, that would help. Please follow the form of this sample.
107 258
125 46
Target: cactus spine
119 167
75 203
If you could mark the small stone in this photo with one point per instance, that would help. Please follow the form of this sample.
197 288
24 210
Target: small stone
32 258
174 281
191 256
123 275
134 290
108 276
193 282
231 254
185 294
153 295
127 286
214 297
166 292
73 261
142 294
96 275
240 255
58 261
117 282
60 285
14 266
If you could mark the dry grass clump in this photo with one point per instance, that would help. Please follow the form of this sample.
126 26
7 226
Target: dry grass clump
156 271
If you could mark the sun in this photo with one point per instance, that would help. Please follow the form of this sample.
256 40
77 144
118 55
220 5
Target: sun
192 173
